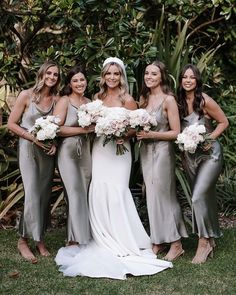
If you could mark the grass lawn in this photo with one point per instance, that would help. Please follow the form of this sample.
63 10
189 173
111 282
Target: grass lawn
216 276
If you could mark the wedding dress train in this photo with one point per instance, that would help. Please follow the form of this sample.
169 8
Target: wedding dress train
120 244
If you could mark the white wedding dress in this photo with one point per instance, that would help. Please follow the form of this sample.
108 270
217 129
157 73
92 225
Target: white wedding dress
120 244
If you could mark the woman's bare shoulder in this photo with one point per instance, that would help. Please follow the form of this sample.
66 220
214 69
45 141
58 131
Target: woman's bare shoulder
62 100
130 103
24 96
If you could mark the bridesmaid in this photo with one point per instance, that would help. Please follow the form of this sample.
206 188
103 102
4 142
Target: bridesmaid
36 161
158 163
203 168
74 157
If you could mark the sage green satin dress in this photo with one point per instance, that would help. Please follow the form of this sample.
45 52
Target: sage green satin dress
37 169
75 167
203 169
158 166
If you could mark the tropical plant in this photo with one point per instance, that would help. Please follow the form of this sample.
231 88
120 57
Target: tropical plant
72 31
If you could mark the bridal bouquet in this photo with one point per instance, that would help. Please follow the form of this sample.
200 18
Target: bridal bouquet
141 120
90 112
191 137
45 129
113 126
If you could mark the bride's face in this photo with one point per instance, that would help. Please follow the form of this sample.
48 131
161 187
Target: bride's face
112 77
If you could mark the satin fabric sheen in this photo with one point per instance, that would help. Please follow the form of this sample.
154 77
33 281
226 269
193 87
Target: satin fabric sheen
74 163
37 169
203 169
158 166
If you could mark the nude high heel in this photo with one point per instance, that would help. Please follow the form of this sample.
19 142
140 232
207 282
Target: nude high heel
175 251
172 258
203 252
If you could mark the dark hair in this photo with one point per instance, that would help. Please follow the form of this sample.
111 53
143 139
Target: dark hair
145 91
199 100
66 90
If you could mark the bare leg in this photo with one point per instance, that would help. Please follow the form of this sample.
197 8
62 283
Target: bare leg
204 249
25 251
175 251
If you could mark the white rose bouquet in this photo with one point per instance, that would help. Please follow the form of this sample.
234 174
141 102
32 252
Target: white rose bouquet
113 126
140 119
90 112
192 137
45 129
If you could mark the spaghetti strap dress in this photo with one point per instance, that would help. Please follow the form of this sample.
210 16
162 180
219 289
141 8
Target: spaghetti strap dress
74 164
203 169
37 170
158 167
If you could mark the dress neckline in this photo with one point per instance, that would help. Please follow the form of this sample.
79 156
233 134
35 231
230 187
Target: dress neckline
194 113
156 108
74 106
44 111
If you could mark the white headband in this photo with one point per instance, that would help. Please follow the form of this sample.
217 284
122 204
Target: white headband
119 62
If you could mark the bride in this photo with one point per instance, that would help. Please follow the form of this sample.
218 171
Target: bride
120 244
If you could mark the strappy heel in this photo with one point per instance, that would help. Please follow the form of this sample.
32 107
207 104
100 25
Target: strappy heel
203 252
180 253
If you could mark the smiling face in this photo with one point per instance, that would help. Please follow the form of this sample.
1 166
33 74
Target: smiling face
78 83
152 76
112 76
189 82
51 76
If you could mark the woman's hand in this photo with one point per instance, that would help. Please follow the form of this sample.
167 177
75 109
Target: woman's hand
207 147
120 140
48 149
52 150
144 134
89 129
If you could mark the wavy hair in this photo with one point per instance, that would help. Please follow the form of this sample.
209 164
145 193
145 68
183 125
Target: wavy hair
164 84
103 86
198 101
39 84
66 90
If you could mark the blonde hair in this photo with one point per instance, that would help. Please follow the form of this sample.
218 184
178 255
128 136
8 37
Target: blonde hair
123 82
39 84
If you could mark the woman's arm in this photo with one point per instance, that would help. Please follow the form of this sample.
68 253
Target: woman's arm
19 108
130 103
172 113
66 131
213 110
